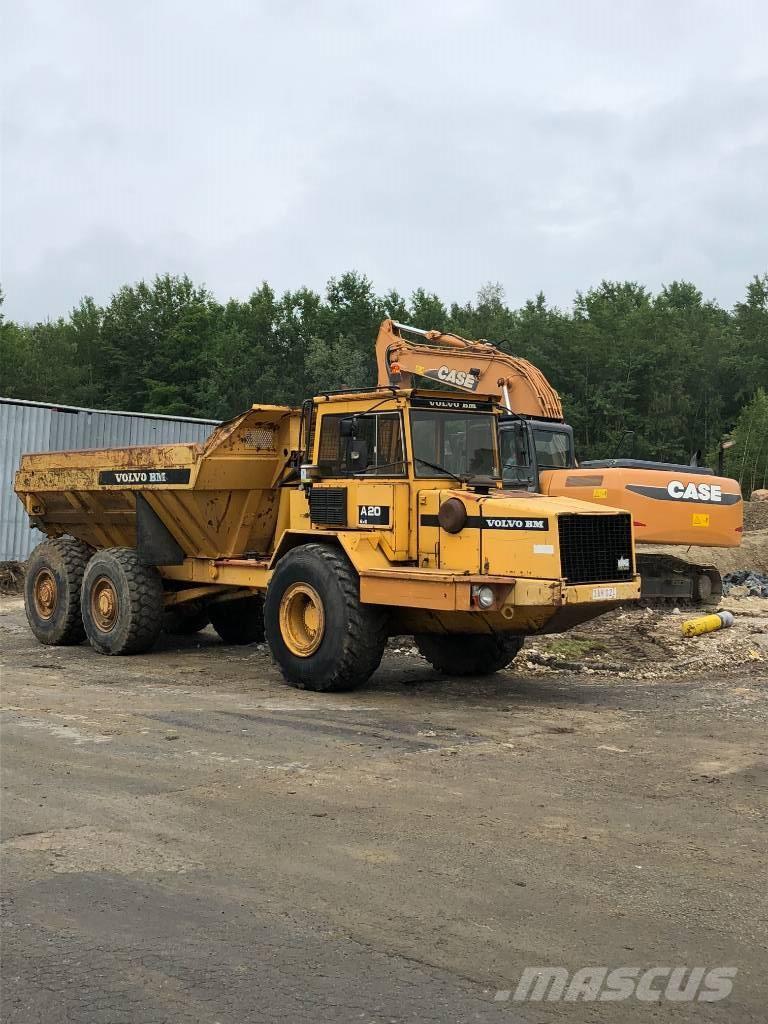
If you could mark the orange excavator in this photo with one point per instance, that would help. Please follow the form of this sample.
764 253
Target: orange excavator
684 505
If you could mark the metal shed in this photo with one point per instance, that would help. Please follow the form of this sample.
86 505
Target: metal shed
37 427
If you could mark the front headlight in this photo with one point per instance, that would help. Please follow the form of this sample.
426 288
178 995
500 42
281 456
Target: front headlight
484 597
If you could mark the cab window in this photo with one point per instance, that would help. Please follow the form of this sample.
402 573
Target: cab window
516 464
553 449
375 448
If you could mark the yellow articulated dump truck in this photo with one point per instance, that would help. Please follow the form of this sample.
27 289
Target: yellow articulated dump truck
325 529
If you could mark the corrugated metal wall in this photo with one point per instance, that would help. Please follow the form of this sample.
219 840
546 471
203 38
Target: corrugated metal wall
34 427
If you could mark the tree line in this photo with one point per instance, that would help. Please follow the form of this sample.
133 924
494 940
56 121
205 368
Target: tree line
640 374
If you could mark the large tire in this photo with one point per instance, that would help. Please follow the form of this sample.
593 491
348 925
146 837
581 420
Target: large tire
52 584
459 654
184 621
319 633
122 602
240 621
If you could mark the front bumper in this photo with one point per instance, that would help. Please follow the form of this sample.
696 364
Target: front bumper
444 591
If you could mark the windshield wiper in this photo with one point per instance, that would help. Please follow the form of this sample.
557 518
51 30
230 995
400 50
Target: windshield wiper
441 469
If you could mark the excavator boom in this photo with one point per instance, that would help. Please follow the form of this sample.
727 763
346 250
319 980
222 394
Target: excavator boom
474 366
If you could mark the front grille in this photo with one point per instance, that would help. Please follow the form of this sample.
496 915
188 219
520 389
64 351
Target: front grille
595 548
328 506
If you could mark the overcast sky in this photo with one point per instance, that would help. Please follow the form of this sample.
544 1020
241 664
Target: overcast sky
543 145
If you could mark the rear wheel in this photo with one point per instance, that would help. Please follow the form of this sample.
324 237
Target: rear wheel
319 633
459 654
183 621
52 591
122 602
240 621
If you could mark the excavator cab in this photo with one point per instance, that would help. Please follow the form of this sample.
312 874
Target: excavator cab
528 446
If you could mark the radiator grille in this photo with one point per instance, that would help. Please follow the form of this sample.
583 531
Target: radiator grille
328 506
595 548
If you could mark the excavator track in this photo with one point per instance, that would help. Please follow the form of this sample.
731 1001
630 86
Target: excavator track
668 580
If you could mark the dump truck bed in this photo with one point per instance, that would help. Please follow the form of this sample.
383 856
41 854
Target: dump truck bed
216 499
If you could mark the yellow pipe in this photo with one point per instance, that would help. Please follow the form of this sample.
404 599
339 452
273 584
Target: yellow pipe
707 623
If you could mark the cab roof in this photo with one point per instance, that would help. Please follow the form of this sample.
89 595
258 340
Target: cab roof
421 397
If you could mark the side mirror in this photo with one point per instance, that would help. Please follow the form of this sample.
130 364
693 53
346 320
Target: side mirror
348 427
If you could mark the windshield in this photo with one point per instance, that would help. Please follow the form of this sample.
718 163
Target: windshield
461 443
553 449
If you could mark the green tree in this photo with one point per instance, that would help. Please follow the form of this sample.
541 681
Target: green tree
349 319
39 361
750 354
84 330
654 376
427 311
747 460
157 347
328 362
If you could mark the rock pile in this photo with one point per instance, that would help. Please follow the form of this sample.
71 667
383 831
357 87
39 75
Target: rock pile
745 583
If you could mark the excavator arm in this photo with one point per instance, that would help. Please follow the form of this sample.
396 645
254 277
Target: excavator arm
474 366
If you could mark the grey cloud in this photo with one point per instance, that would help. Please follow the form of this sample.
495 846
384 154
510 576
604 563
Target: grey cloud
425 145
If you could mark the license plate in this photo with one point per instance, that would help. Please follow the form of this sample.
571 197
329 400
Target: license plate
604 593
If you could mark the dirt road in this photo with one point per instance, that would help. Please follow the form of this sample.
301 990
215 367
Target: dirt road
187 839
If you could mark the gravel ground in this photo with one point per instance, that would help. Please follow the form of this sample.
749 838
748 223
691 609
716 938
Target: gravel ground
187 839
647 643
755 515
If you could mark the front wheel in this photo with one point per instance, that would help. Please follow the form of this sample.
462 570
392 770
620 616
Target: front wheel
459 654
318 631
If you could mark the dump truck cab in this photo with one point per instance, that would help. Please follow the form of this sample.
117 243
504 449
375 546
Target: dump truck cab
326 529
408 483
388 466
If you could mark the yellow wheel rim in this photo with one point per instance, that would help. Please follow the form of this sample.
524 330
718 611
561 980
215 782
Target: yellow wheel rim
302 619
104 605
46 593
